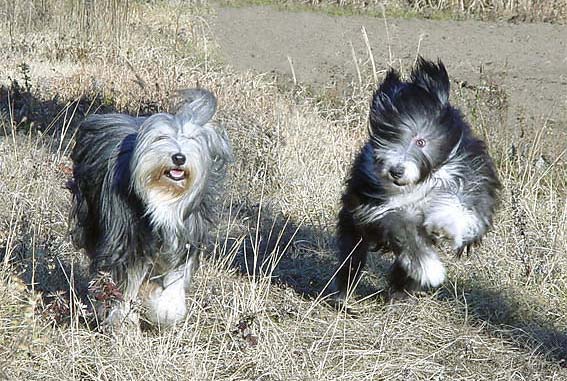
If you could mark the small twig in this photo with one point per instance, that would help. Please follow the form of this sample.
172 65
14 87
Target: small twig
391 59
139 81
355 62
370 55
421 37
292 70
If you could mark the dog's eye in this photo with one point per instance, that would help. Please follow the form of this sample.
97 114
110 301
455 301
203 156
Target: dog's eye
420 142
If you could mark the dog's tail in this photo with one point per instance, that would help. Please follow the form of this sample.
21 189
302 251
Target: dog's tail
198 107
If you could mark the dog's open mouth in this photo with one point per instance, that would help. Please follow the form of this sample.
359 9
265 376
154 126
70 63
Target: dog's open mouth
175 174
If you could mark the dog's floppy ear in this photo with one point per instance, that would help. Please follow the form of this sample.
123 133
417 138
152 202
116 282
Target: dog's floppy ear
432 77
383 110
218 144
198 107
391 84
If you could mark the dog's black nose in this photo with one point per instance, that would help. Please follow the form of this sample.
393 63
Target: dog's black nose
178 159
396 172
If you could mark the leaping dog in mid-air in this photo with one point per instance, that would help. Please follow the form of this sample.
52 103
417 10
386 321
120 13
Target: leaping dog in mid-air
421 176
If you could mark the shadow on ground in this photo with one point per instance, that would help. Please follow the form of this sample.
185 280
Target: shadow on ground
292 253
21 110
305 264
50 267
501 310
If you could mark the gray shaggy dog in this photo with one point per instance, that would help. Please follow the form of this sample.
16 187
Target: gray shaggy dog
144 198
421 176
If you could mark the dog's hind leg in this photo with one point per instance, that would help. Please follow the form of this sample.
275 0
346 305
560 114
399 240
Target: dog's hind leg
353 249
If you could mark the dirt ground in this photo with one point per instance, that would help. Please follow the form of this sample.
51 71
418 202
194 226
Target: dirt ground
529 61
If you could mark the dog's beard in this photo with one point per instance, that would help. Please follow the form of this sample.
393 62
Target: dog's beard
161 177
169 192
401 166
170 181
157 175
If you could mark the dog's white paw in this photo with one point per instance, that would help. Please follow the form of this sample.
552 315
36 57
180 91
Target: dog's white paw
453 222
439 229
425 268
166 307
432 272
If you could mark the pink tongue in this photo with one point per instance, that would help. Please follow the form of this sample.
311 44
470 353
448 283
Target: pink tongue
176 173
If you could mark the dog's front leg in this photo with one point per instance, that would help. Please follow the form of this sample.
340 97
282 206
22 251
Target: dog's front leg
125 313
163 298
447 217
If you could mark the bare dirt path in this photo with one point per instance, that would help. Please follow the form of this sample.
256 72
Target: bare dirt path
528 60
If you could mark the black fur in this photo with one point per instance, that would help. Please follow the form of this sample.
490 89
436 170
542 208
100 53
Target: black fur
110 219
454 168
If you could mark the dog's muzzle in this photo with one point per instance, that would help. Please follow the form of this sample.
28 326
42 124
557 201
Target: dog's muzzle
176 174
396 172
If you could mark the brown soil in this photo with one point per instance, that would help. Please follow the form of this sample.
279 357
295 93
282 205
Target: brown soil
529 61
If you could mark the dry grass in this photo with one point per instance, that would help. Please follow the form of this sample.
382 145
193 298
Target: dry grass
553 11
254 312
524 10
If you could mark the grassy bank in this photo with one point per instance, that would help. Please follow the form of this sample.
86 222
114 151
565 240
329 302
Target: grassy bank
554 11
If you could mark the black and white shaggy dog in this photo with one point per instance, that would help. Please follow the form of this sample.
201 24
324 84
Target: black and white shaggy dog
421 176
144 195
